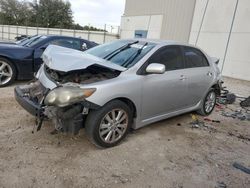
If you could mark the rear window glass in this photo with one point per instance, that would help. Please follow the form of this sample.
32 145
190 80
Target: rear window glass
194 58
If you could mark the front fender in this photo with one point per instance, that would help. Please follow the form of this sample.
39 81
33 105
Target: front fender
129 86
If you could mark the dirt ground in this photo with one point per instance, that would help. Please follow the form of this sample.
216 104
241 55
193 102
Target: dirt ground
166 154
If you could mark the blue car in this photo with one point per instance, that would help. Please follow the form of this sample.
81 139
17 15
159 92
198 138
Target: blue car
19 60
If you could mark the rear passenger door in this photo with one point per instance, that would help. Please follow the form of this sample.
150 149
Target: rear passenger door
198 74
164 93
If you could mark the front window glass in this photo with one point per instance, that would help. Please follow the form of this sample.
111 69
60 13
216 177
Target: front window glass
125 53
170 56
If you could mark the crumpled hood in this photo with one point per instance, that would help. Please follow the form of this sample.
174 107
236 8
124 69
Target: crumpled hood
66 59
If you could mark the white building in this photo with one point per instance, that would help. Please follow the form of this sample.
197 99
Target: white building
220 27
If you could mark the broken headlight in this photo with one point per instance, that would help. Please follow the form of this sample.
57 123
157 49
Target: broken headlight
65 96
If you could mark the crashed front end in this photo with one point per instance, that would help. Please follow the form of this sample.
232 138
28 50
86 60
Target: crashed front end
60 93
65 106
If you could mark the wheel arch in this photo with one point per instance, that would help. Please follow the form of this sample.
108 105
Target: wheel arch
216 88
130 104
9 59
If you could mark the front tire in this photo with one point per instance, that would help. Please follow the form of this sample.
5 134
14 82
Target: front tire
109 125
7 72
208 103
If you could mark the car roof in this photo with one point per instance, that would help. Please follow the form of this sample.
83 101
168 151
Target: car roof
62 36
162 42
71 37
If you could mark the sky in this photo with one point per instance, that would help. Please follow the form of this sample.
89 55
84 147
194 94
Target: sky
97 12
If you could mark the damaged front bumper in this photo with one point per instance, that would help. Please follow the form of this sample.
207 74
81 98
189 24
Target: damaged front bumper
34 108
67 119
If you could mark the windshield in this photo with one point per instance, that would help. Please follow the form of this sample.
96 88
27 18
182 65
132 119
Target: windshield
20 42
27 40
125 53
30 42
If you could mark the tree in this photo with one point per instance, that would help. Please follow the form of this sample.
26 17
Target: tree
43 13
91 28
40 13
53 13
14 12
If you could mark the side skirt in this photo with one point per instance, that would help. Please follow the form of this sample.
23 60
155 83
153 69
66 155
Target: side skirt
165 116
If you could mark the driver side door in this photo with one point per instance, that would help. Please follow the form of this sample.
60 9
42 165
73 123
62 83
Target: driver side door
164 93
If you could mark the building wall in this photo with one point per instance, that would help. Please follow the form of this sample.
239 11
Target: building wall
164 19
151 23
224 33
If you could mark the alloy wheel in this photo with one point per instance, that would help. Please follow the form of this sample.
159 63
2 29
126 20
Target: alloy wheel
210 102
113 126
6 72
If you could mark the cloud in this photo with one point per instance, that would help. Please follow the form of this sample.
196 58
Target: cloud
97 12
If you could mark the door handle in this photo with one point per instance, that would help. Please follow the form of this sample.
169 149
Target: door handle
209 73
182 78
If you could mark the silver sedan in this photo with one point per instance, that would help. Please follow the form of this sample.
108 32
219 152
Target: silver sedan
120 85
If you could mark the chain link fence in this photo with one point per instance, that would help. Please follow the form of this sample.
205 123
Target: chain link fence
110 33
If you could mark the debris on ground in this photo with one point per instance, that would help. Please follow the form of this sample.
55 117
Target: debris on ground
237 114
16 129
211 120
121 178
241 167
240 136
226 98
196 123
221 185
245 103
229 98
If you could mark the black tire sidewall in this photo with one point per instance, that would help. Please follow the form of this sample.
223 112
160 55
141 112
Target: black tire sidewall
13 71
94 120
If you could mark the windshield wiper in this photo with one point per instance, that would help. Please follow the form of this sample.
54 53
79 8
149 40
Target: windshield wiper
117 51
138 52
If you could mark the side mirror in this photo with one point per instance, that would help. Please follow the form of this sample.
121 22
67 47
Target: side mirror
155 68
84 46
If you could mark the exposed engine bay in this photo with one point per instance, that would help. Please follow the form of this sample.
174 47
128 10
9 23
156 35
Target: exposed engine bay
89 75
67 118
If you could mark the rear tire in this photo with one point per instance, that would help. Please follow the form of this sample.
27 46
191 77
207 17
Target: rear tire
7 72
109 125
208 103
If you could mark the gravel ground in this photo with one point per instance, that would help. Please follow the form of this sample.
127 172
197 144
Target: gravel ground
169 153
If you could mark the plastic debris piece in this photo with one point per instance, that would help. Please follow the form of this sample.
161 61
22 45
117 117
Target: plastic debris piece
245 103
221 185
241 167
